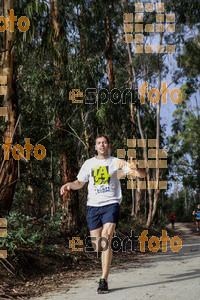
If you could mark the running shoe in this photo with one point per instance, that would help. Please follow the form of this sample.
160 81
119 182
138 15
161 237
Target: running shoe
103 287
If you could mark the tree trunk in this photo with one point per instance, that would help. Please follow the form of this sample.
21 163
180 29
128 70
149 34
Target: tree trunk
8 168
54 14
138 200
70 201
88 79
150 207
53 208
85 133
134 195
108 52
144 148
157 191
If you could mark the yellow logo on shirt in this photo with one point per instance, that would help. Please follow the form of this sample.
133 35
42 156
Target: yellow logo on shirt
101 175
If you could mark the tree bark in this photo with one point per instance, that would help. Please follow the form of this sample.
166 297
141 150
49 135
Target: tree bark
157 191
85 133
87 81
138 192
8 174
108 52
70 200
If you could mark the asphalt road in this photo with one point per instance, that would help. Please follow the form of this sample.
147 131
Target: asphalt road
163 276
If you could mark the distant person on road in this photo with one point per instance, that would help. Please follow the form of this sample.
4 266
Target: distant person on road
104 198
172 216
196 213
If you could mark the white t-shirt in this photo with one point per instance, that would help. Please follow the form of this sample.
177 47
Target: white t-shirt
104 187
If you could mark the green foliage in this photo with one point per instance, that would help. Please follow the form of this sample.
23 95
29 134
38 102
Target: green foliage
47 68
24 231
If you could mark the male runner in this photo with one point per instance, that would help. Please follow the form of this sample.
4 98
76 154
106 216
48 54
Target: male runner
196 213
104 198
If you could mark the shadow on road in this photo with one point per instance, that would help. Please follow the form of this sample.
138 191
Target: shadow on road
189 276
190 250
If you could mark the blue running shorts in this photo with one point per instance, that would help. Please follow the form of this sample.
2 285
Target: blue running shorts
97 216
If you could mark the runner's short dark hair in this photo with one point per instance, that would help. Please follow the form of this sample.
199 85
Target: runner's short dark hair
102 135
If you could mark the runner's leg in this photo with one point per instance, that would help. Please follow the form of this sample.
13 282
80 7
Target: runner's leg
96 233
106 257
197 225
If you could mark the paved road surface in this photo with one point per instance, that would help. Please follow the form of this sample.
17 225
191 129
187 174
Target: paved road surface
163 276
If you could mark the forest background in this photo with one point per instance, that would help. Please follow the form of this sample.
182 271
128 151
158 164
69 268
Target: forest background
80 45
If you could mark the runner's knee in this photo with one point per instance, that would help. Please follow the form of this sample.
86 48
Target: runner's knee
108 231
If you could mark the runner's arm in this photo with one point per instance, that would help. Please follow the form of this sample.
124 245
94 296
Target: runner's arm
75 185
134 170
137 172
